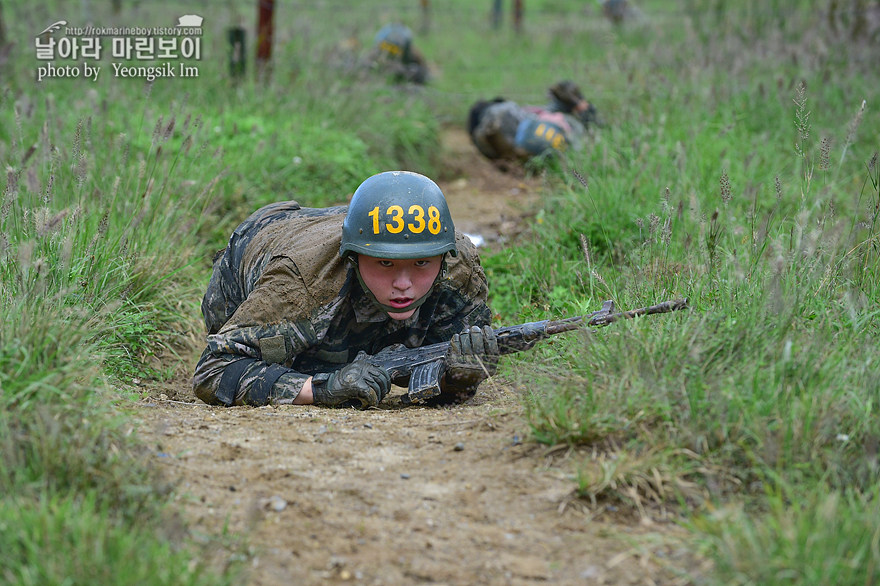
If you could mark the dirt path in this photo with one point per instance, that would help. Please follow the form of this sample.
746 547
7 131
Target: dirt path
400 495
484 201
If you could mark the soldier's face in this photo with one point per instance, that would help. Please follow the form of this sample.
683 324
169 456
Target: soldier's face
399 282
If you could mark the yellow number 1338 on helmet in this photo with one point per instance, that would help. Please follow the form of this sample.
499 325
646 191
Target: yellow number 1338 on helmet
398 214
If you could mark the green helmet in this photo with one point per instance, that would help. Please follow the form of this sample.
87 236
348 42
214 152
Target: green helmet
395 40
398 214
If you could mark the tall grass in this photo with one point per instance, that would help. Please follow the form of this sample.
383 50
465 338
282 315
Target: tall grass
754 413
114 196
95 229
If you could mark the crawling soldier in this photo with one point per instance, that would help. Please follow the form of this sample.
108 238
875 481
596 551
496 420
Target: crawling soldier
299 293
502 130
395 53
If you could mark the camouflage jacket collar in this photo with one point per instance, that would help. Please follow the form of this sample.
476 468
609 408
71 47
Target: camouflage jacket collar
367 311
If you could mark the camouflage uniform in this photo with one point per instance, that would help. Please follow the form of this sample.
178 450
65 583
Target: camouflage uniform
504 130
395 54
619 11
566 98
493 125
282 305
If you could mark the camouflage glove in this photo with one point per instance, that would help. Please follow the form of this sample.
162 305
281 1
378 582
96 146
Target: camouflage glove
359 384
590 116
472 356
567 94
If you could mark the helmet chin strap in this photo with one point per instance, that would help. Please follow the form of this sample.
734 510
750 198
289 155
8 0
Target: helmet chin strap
388 308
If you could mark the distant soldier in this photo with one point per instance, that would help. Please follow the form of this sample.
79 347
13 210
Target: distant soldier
394 52
300 293
619 11
502 130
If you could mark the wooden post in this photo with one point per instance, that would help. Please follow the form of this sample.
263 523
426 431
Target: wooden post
2 29
265 17
237 57
517 15
426 16
5 44
86 7
859 27
496 13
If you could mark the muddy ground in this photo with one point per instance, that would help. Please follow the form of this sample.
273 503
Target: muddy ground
403 495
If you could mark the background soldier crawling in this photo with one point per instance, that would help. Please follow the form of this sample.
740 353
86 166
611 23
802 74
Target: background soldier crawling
504 131
299 293
395 53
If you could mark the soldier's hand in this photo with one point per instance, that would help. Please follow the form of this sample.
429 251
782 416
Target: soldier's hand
472 355
358 384
568 94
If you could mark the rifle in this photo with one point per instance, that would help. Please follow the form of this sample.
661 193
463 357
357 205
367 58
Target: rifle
426 366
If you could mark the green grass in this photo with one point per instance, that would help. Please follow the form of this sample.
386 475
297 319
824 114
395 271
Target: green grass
826 537
98 546
762 210
737 167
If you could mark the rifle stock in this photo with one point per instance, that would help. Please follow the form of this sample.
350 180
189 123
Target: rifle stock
425 366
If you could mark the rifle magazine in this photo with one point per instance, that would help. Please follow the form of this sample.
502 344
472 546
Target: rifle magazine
425 381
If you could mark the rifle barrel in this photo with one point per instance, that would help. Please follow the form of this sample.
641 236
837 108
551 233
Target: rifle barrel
604 318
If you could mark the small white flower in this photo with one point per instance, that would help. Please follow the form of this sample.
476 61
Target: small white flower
786 351
842 437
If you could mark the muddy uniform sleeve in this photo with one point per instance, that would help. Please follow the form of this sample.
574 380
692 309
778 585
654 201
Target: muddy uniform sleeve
245 362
